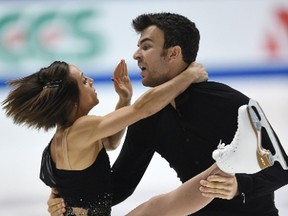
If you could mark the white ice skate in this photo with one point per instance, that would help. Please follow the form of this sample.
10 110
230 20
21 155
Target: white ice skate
245 153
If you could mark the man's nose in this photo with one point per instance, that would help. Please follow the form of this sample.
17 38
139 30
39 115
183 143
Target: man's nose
136 55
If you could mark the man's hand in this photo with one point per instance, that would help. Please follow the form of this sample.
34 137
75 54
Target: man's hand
219 186
56 205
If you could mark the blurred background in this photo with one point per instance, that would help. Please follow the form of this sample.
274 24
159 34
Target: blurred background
243 44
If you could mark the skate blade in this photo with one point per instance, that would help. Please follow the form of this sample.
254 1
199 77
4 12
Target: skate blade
259 120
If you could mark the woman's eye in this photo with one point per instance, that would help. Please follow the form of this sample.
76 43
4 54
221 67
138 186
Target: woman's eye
85 80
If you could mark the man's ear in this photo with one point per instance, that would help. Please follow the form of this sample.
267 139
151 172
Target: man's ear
174 52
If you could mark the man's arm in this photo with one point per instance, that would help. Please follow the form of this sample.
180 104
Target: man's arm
262 183
134 158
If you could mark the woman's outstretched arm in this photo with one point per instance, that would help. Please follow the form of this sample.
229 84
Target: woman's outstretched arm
146 105
123 87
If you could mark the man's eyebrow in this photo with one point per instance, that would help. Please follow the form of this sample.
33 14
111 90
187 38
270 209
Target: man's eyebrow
144 40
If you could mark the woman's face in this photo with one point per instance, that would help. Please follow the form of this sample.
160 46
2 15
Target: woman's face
88 96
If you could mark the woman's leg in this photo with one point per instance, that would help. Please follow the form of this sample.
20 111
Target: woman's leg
184 200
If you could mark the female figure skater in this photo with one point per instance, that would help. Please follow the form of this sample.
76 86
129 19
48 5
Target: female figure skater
75 161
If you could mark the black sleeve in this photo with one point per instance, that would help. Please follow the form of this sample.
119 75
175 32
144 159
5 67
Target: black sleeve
132 161
262 183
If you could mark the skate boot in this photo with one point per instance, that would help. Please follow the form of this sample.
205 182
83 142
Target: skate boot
245 153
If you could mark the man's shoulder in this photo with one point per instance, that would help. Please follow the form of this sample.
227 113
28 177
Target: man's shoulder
216 91
212 86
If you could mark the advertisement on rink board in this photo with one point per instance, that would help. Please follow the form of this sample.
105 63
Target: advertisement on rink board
96 36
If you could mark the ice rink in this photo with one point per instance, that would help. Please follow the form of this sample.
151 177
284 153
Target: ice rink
22 193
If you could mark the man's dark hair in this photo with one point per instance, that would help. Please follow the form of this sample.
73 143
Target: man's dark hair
178 30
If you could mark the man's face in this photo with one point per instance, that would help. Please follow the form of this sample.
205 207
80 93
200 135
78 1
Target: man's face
151 57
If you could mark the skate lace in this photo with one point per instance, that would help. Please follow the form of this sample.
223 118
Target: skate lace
227 149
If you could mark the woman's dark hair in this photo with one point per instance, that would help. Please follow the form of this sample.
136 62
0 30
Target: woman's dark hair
178 30
43 99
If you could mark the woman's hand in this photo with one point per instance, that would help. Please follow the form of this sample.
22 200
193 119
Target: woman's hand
122 83
198 72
